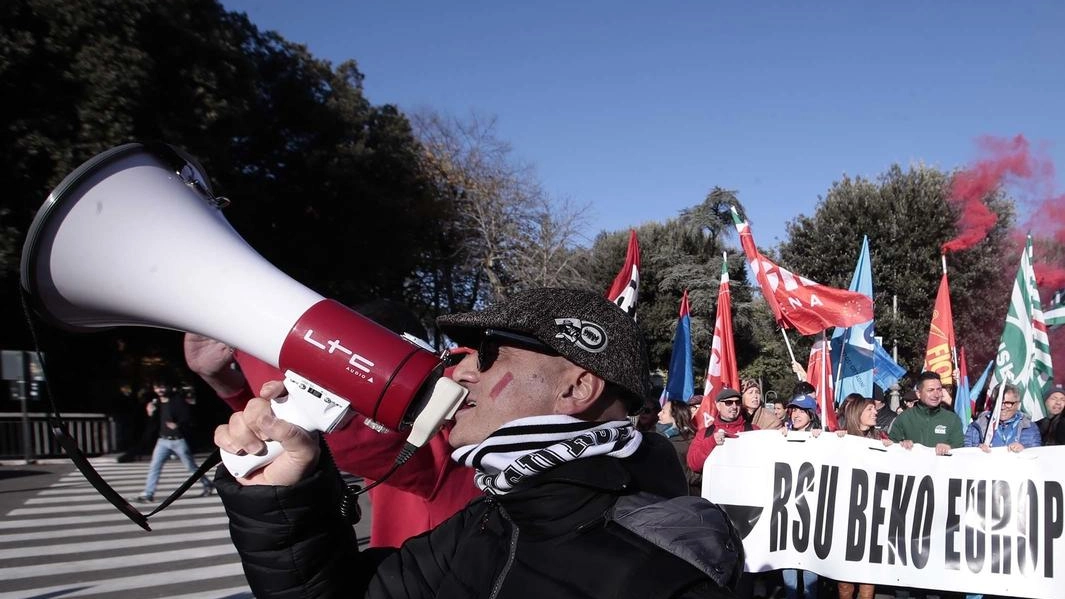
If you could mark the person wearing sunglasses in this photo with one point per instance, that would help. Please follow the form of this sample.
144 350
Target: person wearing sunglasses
1015 429
729 422
646 419
577 502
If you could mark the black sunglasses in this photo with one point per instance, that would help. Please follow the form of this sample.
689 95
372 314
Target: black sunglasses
493 339
729 402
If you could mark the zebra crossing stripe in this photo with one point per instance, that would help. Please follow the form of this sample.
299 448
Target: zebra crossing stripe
144 540
69 533
128 583
111 563
192 495
169 513
99 506
230 593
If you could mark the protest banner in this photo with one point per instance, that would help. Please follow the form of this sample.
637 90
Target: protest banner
851 509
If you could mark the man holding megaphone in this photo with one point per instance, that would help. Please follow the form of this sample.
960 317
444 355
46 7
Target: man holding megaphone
577 502
427 490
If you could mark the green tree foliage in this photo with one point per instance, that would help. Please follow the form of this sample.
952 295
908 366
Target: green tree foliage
907 218
324 184
681 253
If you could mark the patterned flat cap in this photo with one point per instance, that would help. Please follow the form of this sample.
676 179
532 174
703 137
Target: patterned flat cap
583 327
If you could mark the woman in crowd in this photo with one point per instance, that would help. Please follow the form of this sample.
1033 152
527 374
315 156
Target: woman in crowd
1052 428
859 418
753 411
680 430
802 416
841 411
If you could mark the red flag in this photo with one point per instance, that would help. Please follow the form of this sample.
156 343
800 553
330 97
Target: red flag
798 302
721 372
818 372
939 355
626 287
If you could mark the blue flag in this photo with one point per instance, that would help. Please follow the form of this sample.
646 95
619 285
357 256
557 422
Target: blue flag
980 382
680 386
963 406
852 348
886 372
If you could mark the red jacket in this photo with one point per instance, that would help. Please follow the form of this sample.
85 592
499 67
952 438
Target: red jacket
422 493
704 441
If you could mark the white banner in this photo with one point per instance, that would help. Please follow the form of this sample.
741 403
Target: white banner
852 510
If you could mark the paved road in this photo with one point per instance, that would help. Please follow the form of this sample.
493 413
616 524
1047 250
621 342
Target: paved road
59 538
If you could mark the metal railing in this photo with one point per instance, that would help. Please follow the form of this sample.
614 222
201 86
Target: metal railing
95 434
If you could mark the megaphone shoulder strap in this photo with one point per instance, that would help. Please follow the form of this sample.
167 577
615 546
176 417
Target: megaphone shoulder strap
57 426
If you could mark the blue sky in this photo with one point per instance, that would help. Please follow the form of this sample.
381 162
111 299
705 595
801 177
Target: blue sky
641 108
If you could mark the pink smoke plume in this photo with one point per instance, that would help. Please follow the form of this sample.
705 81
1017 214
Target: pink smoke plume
1047 225
968 188
1029 177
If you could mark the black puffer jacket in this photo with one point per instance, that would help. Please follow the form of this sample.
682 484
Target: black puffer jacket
595 527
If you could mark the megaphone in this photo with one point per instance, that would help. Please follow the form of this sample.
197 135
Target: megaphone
135 237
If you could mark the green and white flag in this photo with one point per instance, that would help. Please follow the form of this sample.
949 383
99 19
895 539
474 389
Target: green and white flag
1055 314
1023 351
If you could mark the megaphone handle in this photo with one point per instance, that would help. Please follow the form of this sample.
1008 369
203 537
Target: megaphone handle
306 405
241 465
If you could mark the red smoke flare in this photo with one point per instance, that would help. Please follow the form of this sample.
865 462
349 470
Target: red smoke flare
1030 176
1047 225
970 186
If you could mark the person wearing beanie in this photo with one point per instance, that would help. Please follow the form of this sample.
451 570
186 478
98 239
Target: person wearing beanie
758 415
577 502
1052 428
728 423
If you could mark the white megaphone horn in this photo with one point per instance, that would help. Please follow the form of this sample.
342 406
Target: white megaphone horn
134 236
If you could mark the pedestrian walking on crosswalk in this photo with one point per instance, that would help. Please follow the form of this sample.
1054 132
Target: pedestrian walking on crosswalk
174 421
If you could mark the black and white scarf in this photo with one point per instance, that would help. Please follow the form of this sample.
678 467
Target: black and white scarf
526 447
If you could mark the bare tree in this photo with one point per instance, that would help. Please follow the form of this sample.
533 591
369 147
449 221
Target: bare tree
551 258
503 229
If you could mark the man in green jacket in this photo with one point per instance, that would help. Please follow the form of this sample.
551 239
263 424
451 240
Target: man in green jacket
928 423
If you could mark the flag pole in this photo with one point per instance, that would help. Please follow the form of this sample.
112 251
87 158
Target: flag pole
824 378
839 367
953 348
790 352
996 413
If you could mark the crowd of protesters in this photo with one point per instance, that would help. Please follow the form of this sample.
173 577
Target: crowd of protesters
415 504
924 416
